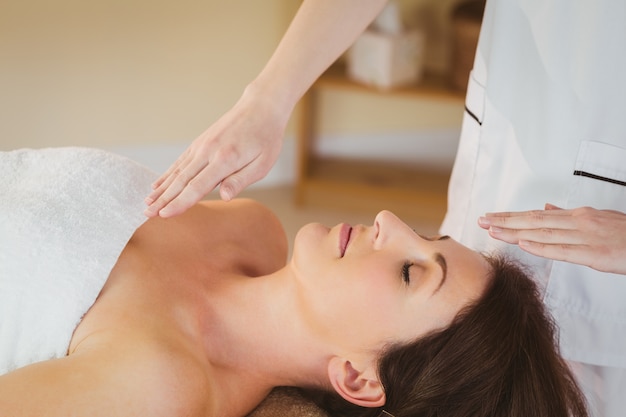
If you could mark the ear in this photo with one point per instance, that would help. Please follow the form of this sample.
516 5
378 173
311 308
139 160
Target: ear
358 387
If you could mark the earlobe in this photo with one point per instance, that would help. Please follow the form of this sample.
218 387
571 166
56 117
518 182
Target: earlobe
354 385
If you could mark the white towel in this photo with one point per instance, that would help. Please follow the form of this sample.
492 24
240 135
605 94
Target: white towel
65 216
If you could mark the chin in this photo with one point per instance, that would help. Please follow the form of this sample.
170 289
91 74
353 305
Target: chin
308 241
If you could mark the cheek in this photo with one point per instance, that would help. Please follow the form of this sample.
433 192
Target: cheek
358 303
359 319
371 294
426 314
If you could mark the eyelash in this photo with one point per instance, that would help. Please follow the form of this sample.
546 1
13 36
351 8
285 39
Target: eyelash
406 277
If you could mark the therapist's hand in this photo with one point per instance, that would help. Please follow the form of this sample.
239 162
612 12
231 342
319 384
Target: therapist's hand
585 236
237 150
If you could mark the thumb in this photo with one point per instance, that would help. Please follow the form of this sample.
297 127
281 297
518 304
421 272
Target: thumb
232 185
229 188
236 182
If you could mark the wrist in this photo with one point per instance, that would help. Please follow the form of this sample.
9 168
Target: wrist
270 98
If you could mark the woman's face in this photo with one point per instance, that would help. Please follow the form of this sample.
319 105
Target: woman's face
363 287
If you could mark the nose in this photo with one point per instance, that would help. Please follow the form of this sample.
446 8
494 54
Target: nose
385 224
382 218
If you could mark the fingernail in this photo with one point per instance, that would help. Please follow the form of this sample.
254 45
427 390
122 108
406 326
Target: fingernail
495 229
484 221
148 200
225 195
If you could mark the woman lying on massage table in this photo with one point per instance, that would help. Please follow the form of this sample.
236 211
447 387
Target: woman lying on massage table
202 316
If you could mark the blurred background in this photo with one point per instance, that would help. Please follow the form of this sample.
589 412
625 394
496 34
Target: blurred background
144 77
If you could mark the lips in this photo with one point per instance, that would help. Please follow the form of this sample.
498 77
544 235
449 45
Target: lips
344 238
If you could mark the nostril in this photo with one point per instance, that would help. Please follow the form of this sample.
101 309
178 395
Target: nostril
377 224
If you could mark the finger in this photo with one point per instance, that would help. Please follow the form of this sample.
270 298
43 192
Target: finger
549 206
166 191
505 235
615 214
193 192
163 183
163 186
180 162
556 211
232 185
555 219
511 213
172 168
544 235
174 186
196 189
578 254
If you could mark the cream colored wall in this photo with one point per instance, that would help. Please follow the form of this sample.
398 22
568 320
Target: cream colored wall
109 72
143 72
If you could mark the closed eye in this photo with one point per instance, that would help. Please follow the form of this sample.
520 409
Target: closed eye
406 276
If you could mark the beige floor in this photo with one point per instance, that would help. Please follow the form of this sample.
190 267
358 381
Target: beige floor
280 200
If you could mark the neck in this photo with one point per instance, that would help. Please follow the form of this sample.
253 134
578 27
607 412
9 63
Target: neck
255 339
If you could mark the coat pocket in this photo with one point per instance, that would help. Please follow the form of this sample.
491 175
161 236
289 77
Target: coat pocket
599 177
589 305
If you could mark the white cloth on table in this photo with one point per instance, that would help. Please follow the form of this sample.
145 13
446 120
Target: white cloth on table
65 216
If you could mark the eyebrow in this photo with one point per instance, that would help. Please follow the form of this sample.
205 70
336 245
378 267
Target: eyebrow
434 238
441 261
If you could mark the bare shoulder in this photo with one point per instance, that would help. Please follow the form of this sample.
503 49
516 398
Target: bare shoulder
255 228
174 382
241 234
244 208
126 381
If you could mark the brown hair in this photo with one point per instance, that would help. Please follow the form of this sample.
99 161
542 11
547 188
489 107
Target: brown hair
499 357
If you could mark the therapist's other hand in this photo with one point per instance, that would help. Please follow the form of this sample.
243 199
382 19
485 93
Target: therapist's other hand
585 236
236 151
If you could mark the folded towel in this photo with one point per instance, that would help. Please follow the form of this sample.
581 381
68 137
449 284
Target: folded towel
65 216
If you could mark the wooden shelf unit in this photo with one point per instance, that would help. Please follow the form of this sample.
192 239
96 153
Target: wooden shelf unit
356 183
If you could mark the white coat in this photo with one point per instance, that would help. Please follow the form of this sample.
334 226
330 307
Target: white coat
546 122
